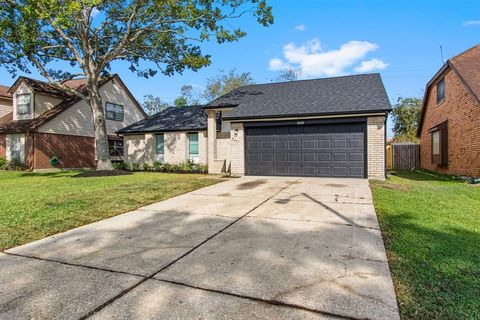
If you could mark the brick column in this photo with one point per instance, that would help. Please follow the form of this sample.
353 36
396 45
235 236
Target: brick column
212 141
376 147
237 139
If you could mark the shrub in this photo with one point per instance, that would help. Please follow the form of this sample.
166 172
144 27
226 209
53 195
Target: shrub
157 166
15 164
134 166
120 166
3 164
147 167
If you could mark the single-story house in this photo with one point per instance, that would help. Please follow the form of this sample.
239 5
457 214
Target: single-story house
449 129
331 127
174 135
38 121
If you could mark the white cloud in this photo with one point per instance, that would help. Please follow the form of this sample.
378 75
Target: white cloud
371 65
95 12
313 61
471 23
300 27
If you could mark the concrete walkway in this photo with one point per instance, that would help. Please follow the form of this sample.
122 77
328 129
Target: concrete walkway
248 248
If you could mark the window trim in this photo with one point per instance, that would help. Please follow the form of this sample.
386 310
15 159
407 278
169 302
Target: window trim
30 104
115 148
193 156
115 112
441 81
441 158
157 135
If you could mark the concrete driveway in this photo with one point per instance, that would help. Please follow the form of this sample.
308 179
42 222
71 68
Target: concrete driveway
247 248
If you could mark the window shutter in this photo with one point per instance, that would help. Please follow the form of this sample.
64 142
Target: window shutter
444 144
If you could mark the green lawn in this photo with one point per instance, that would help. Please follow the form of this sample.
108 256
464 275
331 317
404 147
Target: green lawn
35 205
431 226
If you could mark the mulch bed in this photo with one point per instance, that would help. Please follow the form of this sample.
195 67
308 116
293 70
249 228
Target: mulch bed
102 173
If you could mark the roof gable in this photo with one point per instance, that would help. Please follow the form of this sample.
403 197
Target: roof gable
466 66
339 95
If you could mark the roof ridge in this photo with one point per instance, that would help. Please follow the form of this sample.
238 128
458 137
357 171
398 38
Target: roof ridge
307 80
465 51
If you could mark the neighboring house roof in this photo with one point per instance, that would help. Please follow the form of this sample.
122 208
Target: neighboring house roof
4 92
363 93
8 125
40 87
466 66
75 83
191 118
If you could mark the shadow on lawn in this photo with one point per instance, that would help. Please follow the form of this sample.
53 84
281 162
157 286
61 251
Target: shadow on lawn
424 175
437 273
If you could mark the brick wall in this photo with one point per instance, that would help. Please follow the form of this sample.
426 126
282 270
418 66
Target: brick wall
237 151
72 151
376 147
463 114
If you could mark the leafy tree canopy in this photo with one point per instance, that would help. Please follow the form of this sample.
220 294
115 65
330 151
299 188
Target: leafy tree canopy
153 105
406 116
226 82
89 35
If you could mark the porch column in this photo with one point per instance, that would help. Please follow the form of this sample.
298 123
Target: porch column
212 140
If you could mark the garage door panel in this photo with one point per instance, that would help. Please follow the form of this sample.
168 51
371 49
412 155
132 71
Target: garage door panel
311 150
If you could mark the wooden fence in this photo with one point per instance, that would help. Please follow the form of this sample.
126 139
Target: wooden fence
403 156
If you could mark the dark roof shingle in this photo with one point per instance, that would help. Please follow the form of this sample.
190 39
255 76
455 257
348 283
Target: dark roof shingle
4 92
338 95
467 65
192 118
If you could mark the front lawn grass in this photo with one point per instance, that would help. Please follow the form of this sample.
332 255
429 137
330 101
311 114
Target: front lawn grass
431 227
36 205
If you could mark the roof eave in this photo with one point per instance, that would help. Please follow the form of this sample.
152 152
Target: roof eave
332 114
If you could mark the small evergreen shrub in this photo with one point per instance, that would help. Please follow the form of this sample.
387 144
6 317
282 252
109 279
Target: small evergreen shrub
134 166
3 164
120 166
16 164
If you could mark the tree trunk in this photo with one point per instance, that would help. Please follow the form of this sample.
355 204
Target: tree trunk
100 128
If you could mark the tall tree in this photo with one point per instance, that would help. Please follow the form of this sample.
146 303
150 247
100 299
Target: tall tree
149 35
406 116
153 105
289 74
188 97
224 82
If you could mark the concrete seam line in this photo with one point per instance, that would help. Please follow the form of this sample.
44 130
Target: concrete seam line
334 223
261 300
74 264
127 290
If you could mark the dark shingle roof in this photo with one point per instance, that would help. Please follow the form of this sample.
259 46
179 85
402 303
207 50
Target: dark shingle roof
339 95
192 118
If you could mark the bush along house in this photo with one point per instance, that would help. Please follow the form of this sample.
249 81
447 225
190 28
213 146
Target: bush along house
43 127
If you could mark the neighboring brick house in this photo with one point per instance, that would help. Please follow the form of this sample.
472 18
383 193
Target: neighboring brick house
332 127
449 129
43 122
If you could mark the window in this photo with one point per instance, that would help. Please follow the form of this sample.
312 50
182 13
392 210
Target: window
219 121
114 111
159 147
15 147
193 147
24 104
440 90
115 147
440 144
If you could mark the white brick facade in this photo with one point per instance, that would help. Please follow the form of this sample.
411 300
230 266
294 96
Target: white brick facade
376 147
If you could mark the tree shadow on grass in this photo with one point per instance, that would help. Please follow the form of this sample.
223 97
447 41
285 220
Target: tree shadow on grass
424 175
436 271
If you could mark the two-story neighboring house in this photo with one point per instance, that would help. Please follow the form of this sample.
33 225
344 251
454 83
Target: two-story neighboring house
44 122
449 128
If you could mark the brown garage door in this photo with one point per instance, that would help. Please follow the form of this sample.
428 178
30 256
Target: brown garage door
319 150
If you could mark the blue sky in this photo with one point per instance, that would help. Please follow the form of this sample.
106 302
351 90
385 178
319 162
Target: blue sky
399 39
